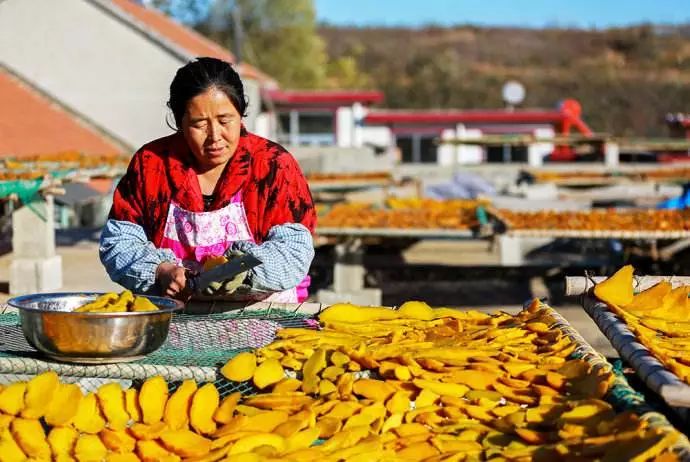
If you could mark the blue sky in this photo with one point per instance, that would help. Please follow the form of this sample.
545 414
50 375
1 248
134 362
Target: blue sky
524 13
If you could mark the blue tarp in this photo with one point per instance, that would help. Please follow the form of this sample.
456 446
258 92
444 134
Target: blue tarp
680 202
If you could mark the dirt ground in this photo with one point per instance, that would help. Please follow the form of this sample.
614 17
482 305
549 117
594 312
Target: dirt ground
455 279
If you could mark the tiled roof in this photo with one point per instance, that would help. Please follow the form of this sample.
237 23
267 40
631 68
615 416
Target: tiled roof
33 124
181 36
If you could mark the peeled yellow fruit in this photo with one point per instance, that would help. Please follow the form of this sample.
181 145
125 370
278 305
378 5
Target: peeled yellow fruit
64 405
39 393
112 400
416 310
143 304
225 411
31 438
373 389
12 398
212 262
152 399
132 404
152 451
117 440
268 373
249 443
240 368
114 303
651 298
62 439
142 431
618 289
10 451
204 405
121 457
176 413
88 418
345 312
185 443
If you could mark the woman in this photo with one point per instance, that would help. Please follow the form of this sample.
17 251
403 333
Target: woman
210 189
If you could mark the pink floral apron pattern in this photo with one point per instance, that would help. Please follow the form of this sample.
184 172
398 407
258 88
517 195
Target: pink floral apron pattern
195 236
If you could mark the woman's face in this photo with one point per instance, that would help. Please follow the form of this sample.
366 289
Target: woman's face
211 126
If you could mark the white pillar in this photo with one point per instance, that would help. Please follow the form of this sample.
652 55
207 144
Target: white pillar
348 278
611 154
446 153
294 128
535 157
358 114
262 126
35 266
345 125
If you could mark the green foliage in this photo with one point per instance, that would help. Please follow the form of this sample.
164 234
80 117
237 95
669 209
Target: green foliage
278 36
626 79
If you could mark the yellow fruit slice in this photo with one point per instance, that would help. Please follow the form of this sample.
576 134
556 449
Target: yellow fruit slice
240 368
618 289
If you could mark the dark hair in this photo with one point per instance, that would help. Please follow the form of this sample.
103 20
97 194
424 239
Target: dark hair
196 77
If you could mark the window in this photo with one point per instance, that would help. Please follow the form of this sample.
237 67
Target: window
416 148
306 128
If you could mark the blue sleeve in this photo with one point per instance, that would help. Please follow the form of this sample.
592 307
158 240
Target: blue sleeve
129 257
286 255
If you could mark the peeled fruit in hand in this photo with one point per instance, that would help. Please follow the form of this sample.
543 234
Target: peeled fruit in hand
212 262
617 289
240 368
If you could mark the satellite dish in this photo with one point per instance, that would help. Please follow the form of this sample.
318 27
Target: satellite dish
513 93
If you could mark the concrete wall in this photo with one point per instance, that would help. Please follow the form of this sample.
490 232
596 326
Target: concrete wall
95 64
333 159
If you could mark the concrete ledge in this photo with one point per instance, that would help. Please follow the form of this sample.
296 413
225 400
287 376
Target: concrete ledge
365 297
32 275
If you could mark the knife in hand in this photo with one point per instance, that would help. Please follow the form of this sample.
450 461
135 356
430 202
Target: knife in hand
198 282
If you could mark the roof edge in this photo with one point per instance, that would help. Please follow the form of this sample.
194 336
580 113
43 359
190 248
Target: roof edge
76 115
112 9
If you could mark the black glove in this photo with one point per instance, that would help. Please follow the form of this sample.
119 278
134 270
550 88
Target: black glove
228 286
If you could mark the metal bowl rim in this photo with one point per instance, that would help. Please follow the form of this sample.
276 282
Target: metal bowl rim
16 302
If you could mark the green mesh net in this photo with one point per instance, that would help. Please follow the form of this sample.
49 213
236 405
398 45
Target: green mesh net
196 347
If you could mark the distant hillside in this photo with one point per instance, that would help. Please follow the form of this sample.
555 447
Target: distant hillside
626 79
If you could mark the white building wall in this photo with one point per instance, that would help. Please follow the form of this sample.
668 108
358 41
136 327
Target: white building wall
263 125
377 136
345 123
446 152
537 151
94 63
450 154
469 153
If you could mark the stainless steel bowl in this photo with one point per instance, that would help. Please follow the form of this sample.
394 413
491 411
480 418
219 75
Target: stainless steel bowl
50 325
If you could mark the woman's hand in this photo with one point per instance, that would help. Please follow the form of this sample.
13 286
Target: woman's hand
172 280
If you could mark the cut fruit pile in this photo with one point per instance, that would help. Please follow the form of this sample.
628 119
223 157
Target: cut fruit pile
598 220
404 213
117 303
361 176
658 316
441 385
373 384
